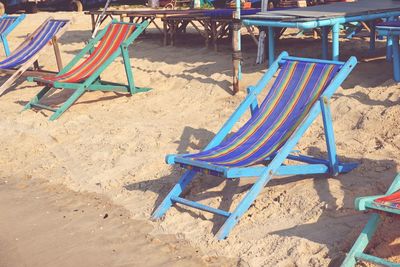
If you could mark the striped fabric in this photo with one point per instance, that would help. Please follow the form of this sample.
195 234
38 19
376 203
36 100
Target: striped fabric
391 201
6 22
115 35
30 47
297 87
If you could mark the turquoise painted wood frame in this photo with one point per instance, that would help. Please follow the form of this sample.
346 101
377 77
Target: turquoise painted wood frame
276 166
392 34
93 82
9 29
368 203
325 24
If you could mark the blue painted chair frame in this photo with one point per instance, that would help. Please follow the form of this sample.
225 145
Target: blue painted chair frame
275 167
367 203
3 36
392 34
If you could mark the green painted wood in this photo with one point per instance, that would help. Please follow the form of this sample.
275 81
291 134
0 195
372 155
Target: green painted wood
395 186
364 203
362 241
37 98
376 260
70 101
43 107
128 69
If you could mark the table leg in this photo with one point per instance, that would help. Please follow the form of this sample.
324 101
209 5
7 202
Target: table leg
335 41
271 46
396 63
93 21
325 31
165 28
389 48
372 36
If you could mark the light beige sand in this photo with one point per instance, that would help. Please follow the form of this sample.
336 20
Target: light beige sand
49 225
115 145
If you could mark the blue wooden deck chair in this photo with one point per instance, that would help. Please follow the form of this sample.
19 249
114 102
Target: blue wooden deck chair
83 74
387 203
24 59
259 148
7 24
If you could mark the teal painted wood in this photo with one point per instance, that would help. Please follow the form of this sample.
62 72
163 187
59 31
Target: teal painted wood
275 166
367 203
71 100
36 99
395 186
362 241
128 69
376 260
93 82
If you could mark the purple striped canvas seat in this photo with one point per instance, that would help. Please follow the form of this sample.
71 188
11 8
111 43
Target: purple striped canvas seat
33 45
6 22
297 87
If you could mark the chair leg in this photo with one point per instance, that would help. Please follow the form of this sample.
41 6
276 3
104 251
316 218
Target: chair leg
37 97
71 100
372 36
329 136
362 241
176 191
128 69
243 206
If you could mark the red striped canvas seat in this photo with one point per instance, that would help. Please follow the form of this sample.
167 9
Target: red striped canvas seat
112 39
391 201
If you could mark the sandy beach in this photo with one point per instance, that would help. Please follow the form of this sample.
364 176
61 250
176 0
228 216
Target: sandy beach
111 146
50 225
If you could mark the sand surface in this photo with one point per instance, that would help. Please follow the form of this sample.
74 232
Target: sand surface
49 225
114 145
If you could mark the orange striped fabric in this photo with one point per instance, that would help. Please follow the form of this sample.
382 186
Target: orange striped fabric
113 38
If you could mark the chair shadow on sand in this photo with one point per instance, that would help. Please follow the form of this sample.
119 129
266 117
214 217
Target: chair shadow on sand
58 97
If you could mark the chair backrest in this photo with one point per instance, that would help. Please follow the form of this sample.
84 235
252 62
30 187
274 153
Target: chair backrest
6 22
33 44
296 89
110 42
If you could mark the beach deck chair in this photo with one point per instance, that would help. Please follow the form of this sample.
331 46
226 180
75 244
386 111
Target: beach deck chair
301 91
387 203
7 24
83 74
24 59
